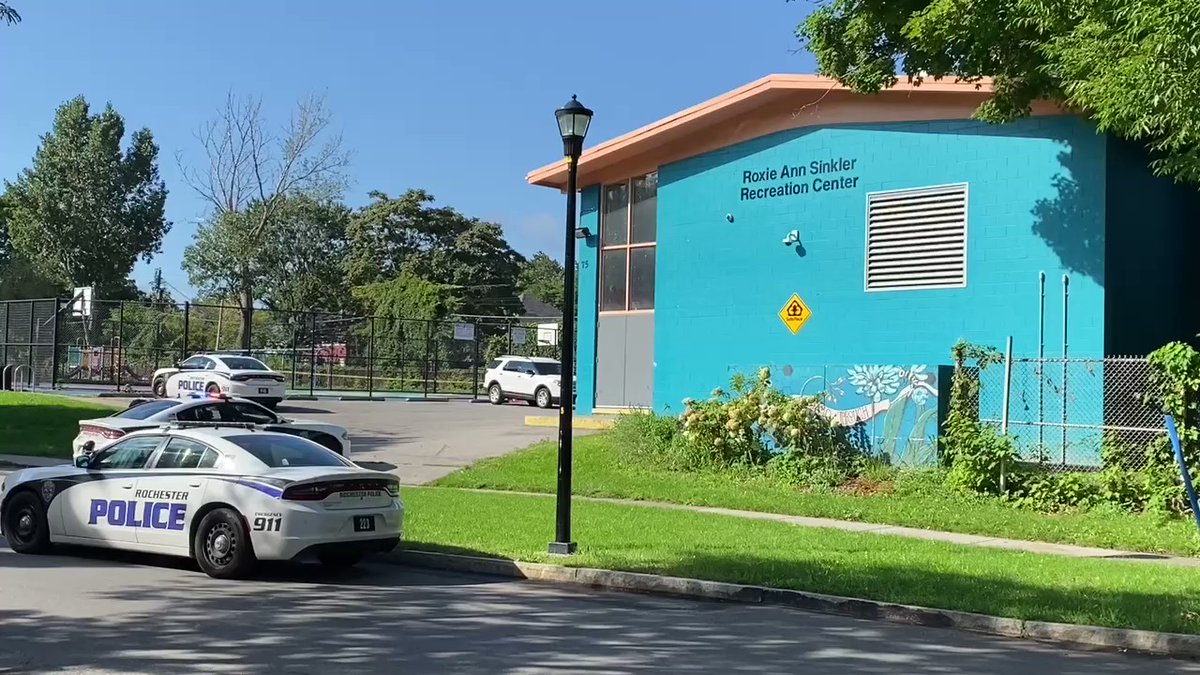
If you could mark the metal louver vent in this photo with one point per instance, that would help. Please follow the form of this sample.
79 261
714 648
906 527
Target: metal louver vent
917 238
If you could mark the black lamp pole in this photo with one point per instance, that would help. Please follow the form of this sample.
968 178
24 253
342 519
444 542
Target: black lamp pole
573 120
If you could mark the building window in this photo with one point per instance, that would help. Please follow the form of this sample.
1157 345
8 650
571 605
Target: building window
917 238
628 236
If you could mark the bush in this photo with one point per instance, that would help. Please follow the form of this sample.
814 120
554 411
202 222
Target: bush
647 435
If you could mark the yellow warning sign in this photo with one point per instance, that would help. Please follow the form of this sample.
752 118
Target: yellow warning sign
795 314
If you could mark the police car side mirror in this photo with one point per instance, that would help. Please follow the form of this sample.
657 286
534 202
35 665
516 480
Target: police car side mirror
83 461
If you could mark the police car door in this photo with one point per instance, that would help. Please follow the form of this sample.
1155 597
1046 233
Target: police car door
188 371
102 506
174 486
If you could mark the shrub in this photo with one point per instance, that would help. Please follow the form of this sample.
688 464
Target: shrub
647 435
1043 491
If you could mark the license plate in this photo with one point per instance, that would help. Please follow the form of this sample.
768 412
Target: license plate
364 523
264 390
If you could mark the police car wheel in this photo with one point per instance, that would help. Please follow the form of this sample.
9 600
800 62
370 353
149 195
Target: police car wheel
495 394
25 525
212 388
159 388
542 397
222 545
340 559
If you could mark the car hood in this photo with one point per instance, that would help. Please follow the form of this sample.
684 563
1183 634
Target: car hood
41 473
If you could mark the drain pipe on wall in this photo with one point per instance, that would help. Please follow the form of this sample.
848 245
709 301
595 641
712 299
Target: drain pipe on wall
1066 295
1041 367
1008 352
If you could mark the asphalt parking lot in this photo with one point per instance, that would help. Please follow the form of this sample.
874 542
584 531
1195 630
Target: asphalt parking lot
423 441
107 612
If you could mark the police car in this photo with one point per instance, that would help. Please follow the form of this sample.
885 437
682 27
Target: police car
149 414
232 374
227 496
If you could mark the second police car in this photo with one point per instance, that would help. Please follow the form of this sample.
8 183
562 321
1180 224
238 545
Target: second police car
232 374
227 496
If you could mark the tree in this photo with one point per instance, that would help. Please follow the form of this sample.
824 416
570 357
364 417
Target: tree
470 257
296 261
1131 65
86 211
248 174
9 15
542 277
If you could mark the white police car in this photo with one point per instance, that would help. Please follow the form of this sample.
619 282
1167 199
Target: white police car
149 414
240 376
227 496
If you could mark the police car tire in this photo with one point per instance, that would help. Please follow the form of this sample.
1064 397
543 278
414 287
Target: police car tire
542 397
495 394
22 504
159 388
212 388
228 523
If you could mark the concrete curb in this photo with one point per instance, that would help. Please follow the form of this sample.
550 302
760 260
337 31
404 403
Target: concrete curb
1173 645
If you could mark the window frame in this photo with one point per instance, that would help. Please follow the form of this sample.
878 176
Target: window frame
161 452
627 247
966 189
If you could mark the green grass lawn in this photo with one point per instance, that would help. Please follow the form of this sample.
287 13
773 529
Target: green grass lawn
601 470
42 424
720 548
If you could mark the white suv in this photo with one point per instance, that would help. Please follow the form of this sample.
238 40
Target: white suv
535 380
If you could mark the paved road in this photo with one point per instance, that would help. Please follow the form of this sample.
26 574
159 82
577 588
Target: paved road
112 613
421 441
425 441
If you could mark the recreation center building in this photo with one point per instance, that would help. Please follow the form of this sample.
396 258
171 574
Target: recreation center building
848 241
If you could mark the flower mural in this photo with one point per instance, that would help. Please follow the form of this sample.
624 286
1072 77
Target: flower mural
895 405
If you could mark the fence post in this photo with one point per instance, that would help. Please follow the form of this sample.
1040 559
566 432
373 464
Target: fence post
312 353
1008 363
120 361
428 340
32 325
371 360
187 314
7 307
54 347
294 326
475 365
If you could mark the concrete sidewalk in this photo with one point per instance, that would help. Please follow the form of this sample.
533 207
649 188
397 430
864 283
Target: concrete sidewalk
898 531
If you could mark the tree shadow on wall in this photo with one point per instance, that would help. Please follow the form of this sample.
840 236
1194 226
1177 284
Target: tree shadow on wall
1072 223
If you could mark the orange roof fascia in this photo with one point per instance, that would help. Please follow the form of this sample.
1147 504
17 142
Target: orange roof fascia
555 175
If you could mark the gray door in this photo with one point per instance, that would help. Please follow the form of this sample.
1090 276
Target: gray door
625 360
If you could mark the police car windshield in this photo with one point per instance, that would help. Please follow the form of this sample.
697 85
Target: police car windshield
145 410
544 368
243 363
278 450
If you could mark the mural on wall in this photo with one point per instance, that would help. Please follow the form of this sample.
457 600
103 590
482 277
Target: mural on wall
896 405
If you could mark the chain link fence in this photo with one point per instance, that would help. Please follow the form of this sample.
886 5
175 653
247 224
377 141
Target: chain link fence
1074 414
119 345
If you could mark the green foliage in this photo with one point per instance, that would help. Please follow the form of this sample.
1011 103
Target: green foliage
1055 492
8 14
1131 65
976 454
542 277
406 235
293 261
86 211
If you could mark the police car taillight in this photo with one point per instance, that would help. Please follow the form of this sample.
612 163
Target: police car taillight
103 432
307 493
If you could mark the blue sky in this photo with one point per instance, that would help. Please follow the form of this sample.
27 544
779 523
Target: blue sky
456 98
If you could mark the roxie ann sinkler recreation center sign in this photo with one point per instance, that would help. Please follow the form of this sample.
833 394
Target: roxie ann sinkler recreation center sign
818 175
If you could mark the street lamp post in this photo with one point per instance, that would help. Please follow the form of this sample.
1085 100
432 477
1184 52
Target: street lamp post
573 120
